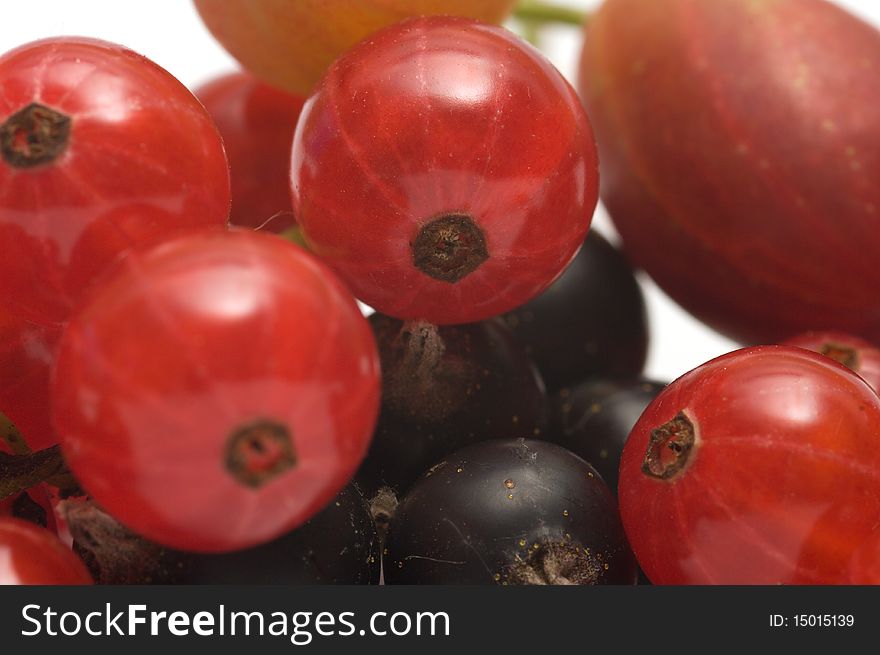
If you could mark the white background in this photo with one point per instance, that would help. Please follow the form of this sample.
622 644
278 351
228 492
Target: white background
171 33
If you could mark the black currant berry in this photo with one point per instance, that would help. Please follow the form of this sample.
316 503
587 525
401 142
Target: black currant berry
508 512
594 419
590 322
338 546
443 388
114 554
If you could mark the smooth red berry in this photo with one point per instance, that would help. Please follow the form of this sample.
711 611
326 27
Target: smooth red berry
217 391
101 151
257 123
445 170
33 556
759 467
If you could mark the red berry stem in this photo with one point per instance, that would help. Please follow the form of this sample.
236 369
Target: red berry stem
21 472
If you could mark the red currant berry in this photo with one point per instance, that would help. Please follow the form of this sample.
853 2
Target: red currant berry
26 352
32 556
857 354
100 150
445 169
758 467
216 391
864 568
257 123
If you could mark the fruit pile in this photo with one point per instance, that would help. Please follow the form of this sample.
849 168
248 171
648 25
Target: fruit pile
191 392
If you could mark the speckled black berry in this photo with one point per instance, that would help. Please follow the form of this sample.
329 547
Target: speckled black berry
508 512
338 546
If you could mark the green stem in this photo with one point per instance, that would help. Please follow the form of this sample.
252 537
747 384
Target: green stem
295 235
531 31
545 12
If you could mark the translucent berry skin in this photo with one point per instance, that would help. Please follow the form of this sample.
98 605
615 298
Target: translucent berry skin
257 123
216 391
781 484
432 119
33 556
141 160
861 356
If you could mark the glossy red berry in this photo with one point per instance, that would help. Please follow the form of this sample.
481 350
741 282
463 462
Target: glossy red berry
100 151
26 353
864 567
32 556
445 169
857 354
759 467
257 123
216 391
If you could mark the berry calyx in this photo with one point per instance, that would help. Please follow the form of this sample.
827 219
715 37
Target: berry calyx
35 135
450 247
669 449
260 452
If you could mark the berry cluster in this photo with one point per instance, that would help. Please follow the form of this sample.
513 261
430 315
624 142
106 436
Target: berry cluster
190 392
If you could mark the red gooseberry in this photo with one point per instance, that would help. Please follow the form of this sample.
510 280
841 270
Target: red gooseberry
445 170
759 467
740 149
217 391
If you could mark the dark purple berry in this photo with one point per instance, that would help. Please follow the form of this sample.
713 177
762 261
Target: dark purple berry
444 388
508 512
594 419
590 323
